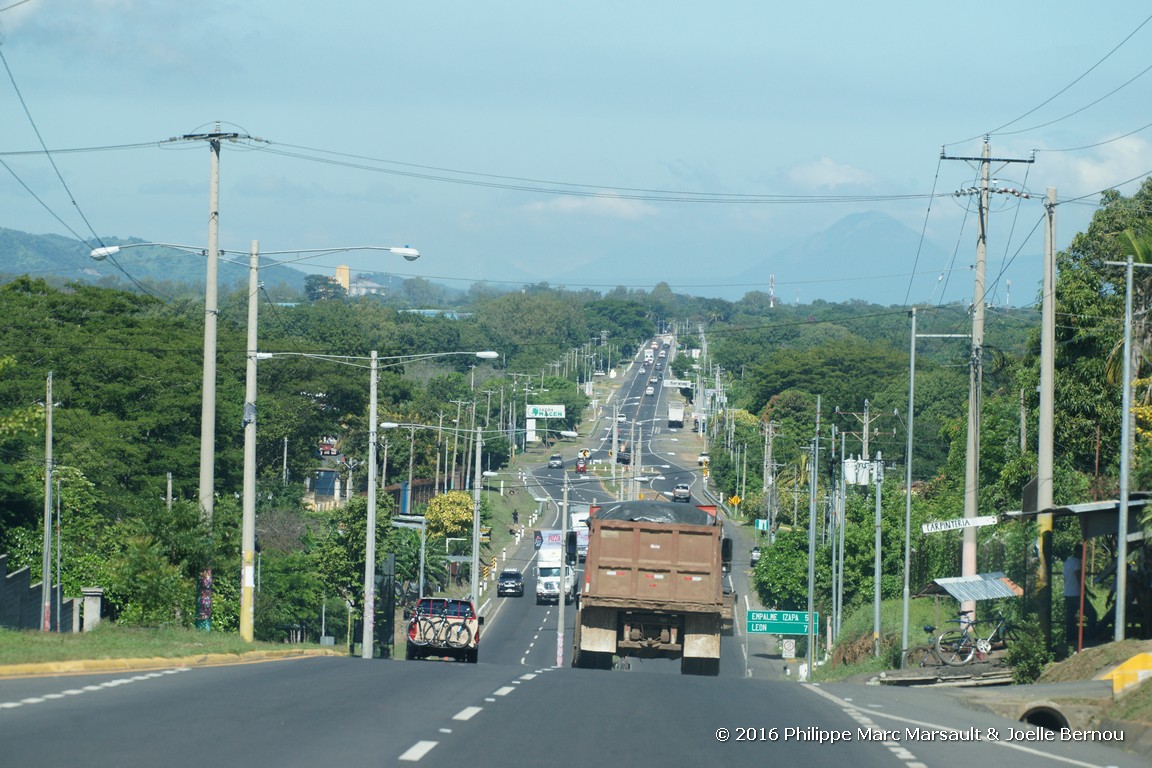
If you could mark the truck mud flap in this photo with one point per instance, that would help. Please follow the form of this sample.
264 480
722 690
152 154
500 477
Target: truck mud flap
596 629
702 636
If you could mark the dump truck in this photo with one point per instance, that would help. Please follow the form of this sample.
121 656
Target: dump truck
653 586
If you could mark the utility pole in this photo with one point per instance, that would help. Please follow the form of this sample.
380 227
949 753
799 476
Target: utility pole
1044 446
813 630
208 400
563 574
46 571
976 359
878 478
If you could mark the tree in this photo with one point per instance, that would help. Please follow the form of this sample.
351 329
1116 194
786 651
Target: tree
322 288
449 514
341 550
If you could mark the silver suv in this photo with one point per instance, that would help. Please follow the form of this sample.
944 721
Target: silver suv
555 461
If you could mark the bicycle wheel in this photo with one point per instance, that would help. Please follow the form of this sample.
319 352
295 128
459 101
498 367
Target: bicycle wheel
918 656
420 631
459 635
955 648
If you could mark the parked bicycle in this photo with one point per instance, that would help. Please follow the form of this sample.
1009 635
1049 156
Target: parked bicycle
923 655
439 630
957 647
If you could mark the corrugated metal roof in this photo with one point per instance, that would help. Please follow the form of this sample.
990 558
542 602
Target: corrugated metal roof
982 586
1098 518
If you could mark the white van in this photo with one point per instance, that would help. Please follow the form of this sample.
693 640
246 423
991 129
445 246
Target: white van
650 391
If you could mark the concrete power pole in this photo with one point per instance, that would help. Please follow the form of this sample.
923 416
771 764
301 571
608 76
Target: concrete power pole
208 400
976 359
46 570
1044 447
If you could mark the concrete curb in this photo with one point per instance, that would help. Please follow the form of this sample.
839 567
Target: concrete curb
78 666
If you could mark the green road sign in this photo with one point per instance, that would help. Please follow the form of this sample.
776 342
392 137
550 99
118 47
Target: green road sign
779 622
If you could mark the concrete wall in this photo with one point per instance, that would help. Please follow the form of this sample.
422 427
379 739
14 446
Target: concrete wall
22 602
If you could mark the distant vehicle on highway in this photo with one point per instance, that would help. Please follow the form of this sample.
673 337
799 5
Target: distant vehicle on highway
555 461
649 391
581 465
682 492
510 582
755 557
621 418
702 459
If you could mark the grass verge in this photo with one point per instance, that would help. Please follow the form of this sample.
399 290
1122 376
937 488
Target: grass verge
108 641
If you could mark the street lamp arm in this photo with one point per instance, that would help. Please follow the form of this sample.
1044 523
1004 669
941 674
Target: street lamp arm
99 254
397 360
411 254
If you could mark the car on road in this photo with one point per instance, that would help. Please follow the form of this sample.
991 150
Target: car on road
430 630
755 556
649 391
581 465
555 461
682 492
510 582
621 418
653 380
702 459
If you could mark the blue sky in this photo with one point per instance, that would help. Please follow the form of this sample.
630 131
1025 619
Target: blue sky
578 144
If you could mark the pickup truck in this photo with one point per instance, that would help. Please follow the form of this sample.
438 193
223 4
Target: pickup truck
433 630
682 492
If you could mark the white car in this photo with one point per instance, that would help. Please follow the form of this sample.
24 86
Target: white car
650 391
621 418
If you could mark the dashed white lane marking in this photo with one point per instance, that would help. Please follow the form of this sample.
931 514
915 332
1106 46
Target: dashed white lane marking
507 689
528 676
467 713
88 688
418 750
445 730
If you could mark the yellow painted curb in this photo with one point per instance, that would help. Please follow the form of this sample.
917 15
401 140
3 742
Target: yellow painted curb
1130 673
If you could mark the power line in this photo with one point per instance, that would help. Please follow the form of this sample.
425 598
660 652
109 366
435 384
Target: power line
47 154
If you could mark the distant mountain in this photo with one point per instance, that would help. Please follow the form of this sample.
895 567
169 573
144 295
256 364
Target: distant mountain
866 256
62 258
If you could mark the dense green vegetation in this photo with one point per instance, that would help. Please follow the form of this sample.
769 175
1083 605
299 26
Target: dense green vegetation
779 363
126 370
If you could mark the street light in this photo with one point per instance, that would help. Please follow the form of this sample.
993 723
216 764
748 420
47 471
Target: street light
248 525
208 417
370 535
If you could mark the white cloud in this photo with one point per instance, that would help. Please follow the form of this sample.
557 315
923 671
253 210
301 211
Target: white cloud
825 172
609 206
1108 167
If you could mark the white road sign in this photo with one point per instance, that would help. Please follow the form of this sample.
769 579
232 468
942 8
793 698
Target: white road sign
544 411
678 383
958 523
